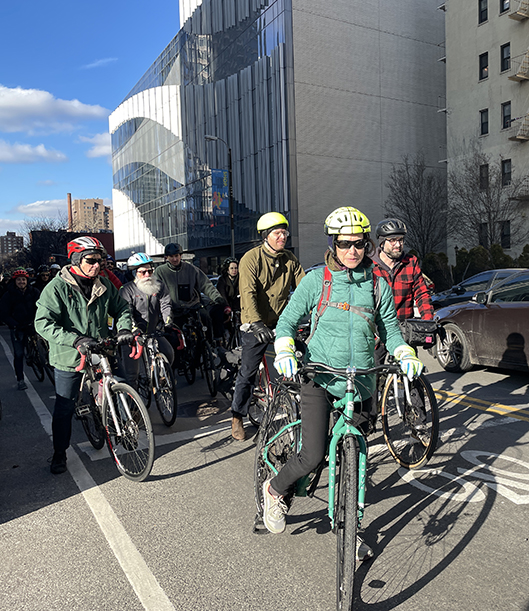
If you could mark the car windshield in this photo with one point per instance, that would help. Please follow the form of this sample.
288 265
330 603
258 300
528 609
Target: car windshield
477 283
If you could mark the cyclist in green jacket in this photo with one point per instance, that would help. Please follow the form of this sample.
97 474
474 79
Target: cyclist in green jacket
343 336
72 315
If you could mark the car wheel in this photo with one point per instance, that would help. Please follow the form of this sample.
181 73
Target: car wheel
452 349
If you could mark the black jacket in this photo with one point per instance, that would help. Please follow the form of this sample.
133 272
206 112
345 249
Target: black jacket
17 308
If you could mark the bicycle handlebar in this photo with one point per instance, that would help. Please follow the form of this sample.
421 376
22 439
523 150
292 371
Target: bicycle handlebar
315 368
103 347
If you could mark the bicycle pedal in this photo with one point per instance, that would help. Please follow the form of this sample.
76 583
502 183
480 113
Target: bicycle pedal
82 410
258 526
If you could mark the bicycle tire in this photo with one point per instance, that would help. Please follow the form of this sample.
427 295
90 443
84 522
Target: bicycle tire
346 523
165 389
412 435
44 353
145 381
208 368
35 361
133 449
284 410
261 397
92 425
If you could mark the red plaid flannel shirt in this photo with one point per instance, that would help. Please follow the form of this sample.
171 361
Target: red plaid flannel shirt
408 286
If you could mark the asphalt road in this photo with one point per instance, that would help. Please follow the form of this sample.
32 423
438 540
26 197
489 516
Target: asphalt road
452 536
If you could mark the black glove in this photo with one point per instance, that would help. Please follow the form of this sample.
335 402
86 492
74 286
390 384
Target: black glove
262 333
84 343
125 336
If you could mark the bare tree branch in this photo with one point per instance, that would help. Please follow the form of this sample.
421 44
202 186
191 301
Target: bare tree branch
417 196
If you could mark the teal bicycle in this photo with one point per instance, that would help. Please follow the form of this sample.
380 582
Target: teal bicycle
279 438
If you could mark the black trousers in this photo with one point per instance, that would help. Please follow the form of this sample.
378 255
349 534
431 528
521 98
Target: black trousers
252 354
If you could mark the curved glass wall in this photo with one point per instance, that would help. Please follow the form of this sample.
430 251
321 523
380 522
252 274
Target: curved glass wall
227 73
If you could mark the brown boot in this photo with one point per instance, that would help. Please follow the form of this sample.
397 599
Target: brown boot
237 429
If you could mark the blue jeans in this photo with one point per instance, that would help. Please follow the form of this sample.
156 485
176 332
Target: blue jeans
67 385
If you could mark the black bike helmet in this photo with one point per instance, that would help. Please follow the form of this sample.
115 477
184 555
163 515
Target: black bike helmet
172 249
390 227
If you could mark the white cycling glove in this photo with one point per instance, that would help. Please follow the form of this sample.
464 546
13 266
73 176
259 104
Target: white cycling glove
409 363
285 362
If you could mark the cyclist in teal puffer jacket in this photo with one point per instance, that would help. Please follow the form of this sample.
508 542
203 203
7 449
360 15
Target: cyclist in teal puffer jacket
343 334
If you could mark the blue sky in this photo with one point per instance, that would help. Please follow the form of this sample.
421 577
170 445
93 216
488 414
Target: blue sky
65 66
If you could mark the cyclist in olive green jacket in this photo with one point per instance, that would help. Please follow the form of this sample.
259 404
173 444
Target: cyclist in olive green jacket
72 315
267 274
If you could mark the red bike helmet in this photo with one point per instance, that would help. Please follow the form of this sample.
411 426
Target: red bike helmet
83 246
20 273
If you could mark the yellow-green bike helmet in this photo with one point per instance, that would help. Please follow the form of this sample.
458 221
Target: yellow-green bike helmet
271 220
347 221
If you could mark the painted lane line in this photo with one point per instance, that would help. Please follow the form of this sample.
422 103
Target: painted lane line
487 406
140 577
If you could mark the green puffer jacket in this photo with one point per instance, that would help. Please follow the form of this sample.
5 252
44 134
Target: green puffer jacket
343 338
64 314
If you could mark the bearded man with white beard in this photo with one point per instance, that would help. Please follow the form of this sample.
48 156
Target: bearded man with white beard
150 307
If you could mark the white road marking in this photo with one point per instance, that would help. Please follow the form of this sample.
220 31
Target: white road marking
140 577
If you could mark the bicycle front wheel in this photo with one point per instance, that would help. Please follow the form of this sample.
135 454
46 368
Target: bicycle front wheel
346 522
208 368
165 390
276 443
145 381
411 430
129 432
262 393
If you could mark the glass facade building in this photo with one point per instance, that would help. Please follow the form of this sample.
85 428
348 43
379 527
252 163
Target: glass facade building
225 74
317 100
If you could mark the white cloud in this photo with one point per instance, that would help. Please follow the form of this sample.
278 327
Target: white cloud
33 110
11 225
25 153
100 62
44 208
101 146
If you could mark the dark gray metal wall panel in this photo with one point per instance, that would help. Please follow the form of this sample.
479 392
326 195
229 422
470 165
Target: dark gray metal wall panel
232 98
206 12
217 16
229 13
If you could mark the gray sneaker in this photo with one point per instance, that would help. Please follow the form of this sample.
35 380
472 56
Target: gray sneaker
22 385
274 510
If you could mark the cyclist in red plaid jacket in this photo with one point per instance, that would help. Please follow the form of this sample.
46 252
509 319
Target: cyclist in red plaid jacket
403 274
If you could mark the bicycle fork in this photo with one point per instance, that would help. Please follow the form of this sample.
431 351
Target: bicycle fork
398 398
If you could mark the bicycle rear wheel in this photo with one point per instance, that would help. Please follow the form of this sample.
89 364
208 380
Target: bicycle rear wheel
90 417
262 394
276 443
346 522
208 368
165 389
34 360
42 346
129 432
411 431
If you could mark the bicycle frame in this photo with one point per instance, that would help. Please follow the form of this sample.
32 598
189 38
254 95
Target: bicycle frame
343 427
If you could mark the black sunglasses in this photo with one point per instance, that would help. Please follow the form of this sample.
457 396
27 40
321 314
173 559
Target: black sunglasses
347 244
92 261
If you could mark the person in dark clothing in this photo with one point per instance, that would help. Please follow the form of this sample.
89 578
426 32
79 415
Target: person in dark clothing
43 277
17 310
228 284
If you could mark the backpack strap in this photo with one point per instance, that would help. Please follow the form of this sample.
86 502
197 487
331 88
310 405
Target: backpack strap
325 302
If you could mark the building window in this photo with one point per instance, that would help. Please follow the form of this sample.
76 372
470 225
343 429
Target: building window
484 177
506 234
505 172
484 121
505 57
483 11
506 115
504 5
483 66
